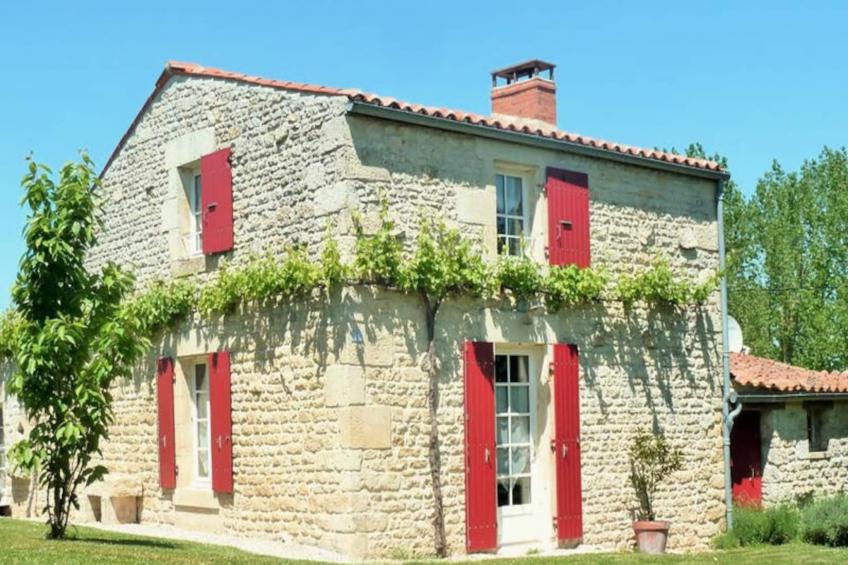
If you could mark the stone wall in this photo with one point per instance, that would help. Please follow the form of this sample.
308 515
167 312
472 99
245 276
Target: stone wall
330 435
15 489
329 401
300 165
280 157
790 470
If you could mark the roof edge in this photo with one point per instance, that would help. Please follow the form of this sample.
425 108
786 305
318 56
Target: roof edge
775 397
179 68
443 119
526 138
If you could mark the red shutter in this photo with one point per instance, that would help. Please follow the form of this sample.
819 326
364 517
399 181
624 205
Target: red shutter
221 421
569 493
568 217
216 198
481 520
165 403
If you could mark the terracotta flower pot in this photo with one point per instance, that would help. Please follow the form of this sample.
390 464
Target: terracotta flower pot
651 536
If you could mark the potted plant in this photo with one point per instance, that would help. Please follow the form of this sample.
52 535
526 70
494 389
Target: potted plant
652 459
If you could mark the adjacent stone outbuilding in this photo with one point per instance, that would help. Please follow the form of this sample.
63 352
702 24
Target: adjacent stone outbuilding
790 442
308 421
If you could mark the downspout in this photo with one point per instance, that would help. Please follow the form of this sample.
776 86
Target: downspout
728 395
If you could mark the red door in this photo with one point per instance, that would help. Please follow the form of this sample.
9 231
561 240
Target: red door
165 416
569 492
568 217
481 519
746 469
220 411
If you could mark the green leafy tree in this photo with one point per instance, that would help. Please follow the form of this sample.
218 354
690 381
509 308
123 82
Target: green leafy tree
788 259
72 337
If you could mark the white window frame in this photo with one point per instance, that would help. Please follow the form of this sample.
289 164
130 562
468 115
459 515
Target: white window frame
524 240
197 479
194 239
520 509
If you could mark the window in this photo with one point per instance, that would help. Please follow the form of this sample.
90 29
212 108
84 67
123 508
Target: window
200 401
512 414
510 214
817 441
194 239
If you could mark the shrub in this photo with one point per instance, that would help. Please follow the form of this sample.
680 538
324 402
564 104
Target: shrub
825 521
774 526
749 524
782 524
652 459
726 540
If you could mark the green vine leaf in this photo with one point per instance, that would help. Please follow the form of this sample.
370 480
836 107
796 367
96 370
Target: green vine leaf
658 285
521 276
570 286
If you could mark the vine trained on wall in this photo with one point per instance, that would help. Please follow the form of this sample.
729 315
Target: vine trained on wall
379 260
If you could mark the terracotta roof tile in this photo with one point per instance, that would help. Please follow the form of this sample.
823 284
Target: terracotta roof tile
761 373
507 123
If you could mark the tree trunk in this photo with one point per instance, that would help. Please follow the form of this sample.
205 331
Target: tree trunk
62 492
431 365
57 514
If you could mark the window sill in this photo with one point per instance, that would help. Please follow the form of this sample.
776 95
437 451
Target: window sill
188 265
195 498
818 455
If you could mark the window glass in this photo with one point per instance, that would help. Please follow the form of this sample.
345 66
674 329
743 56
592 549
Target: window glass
499 186
201 419
514 445
510 214
514 196
503 399
816 439
501 368
195 237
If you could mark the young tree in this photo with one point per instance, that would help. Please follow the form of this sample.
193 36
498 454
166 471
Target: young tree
444 264
789 279
652 460
72 337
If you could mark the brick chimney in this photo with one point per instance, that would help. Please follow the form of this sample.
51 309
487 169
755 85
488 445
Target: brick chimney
523 92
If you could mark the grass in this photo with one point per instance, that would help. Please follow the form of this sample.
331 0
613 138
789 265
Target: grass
23 542
792 553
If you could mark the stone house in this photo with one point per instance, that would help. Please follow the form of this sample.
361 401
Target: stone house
308 421
790 440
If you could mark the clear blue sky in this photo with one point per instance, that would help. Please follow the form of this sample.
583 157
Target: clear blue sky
754 80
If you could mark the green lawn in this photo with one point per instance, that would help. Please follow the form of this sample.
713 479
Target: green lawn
23 542
795 553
